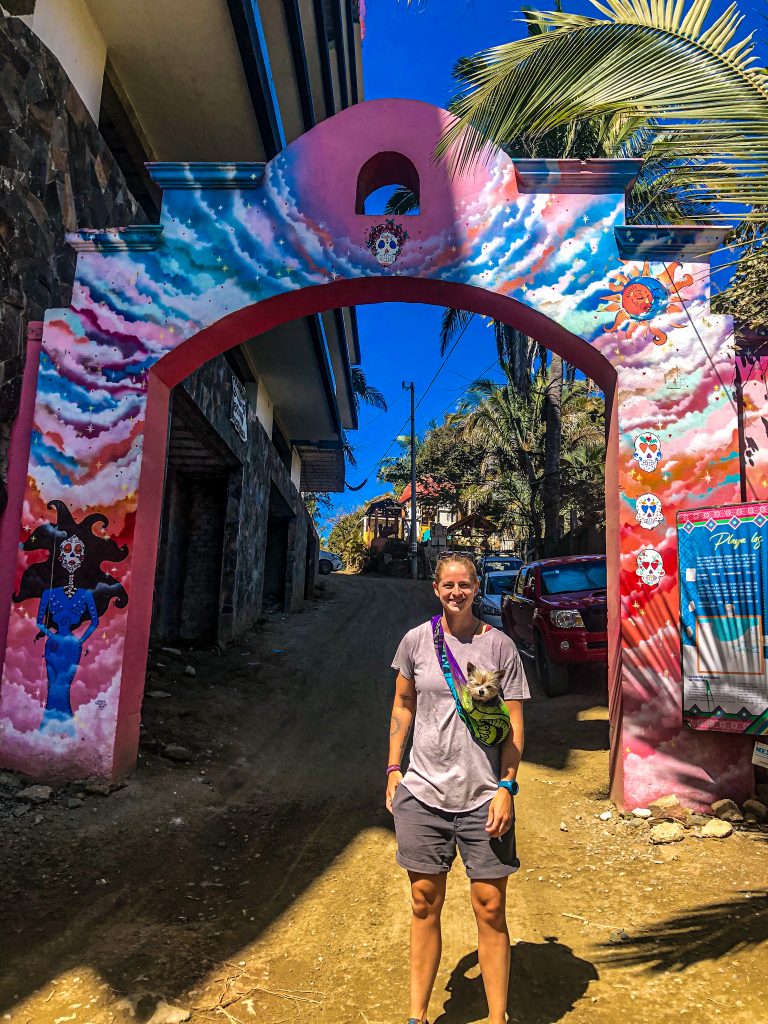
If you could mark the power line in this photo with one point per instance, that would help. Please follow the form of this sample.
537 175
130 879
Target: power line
439 370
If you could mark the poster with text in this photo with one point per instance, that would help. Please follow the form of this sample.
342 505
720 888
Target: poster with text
723 556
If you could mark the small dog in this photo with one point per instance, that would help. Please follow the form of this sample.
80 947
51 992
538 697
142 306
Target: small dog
483 684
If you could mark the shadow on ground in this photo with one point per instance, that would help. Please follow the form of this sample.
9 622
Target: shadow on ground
533 998
703 933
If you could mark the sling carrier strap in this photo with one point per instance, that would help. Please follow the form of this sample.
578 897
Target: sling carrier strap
488 724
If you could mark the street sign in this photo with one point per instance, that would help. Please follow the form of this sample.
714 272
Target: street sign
723 554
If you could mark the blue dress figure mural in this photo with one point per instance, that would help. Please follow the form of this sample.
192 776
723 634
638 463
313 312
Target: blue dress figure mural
73 590
61 610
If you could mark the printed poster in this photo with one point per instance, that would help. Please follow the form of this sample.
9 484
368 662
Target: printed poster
723 555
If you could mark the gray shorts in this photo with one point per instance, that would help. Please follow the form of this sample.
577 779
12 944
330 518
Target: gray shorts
427 839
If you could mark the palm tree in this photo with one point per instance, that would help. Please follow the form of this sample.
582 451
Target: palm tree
362 391
647 70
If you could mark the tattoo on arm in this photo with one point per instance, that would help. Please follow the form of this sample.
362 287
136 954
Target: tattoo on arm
394 727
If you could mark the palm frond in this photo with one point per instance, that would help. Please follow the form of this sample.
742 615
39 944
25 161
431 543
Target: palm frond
651 61
402 202
453 321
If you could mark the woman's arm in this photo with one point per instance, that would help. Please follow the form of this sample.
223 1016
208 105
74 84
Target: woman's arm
403 710
502 809
42 611
90 604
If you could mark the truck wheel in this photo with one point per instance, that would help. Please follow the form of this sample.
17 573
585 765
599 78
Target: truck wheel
554 678
325 567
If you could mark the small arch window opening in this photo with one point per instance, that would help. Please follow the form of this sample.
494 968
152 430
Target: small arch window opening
388 183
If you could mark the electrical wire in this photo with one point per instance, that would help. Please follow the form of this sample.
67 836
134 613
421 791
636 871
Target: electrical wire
392 443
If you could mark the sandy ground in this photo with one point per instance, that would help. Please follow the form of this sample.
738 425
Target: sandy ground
257 882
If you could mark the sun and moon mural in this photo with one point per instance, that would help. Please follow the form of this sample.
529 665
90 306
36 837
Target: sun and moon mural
640 299
232 236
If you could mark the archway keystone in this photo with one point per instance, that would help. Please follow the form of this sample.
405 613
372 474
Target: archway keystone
244 247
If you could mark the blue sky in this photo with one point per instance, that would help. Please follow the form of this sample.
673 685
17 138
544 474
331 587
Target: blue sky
410 52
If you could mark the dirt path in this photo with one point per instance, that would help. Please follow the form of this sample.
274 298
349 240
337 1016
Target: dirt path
257 882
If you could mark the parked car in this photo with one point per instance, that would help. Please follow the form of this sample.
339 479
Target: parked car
329 563
558 615
493 587
498 563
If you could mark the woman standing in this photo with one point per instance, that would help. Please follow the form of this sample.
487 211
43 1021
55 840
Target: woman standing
456 792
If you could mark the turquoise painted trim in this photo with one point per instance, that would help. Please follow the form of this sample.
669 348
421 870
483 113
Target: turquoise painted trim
666 241
577 177
135 237
207 175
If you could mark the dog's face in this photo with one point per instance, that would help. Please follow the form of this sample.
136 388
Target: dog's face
482 683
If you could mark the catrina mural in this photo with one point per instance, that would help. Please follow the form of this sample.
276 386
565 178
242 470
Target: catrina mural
242 247
71 590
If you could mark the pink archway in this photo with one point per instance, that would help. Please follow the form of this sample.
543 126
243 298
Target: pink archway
242 248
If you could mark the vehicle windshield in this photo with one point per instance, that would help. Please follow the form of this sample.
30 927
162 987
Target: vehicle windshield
500 564
501 584
570 579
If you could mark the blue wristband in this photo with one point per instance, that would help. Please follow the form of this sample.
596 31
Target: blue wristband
511 786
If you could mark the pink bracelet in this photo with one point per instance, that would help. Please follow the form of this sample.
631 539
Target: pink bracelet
393 768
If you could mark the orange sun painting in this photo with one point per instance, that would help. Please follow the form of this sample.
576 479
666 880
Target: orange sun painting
638 298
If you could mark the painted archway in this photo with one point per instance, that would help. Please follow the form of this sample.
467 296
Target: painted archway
242 248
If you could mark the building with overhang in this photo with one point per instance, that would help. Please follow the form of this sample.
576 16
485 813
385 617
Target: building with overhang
92 92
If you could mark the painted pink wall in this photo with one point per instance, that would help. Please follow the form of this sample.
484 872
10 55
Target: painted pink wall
240 251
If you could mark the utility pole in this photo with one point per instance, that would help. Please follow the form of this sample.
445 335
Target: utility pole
414 541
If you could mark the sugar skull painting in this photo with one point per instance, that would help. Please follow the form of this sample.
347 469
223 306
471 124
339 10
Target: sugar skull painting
647 451
650 567
386 241
648 511
638 299
72 589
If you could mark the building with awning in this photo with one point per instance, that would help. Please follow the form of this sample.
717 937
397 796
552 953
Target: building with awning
129 100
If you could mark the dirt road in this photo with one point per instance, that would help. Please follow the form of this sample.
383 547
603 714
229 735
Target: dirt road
256 881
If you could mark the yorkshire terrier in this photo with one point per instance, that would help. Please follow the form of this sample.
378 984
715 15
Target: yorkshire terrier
483 684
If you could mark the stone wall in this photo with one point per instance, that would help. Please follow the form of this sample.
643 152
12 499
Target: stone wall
260 474
56 175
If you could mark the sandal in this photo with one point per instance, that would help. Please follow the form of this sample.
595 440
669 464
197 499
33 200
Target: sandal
415 1020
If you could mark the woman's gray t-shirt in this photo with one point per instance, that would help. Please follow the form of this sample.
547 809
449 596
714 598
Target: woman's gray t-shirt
448 769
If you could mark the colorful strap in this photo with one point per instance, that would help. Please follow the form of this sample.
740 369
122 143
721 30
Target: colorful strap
450 667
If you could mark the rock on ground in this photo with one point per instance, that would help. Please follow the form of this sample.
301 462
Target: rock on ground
667 832
757 809
727 810
176 752
669 807
167 1014
35 794
717 829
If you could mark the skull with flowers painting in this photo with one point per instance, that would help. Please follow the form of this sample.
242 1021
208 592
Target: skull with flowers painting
386 241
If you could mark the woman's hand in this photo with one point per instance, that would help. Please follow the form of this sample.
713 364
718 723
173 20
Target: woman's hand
393 781
500 814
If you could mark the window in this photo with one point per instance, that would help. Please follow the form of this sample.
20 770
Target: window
501 584
570 579
383 176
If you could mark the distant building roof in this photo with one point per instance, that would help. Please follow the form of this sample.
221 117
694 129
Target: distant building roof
427 487
473 524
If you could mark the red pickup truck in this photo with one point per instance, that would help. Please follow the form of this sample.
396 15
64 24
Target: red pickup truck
557 614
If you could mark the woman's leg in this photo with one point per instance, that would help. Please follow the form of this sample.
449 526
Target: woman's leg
427 898
489 898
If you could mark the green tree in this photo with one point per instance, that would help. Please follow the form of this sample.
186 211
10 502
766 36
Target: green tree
346 537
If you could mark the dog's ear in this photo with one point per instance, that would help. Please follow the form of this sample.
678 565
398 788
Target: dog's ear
470 668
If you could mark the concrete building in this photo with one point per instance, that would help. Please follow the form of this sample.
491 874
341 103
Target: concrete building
89 93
